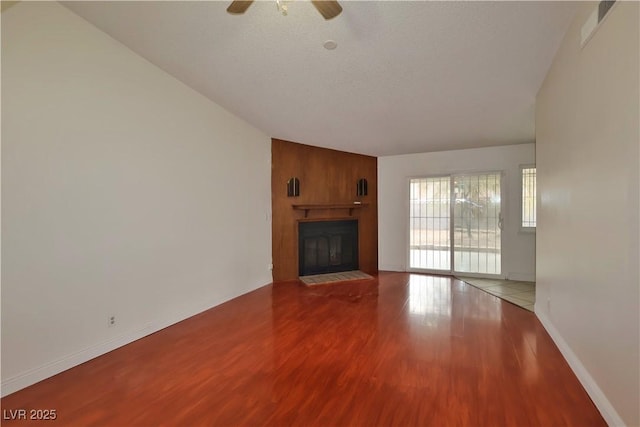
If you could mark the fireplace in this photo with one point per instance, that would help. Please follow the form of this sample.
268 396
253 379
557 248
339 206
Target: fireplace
327 247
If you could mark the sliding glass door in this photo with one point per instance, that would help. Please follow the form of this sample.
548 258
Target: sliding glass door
455 224
430 223
477 222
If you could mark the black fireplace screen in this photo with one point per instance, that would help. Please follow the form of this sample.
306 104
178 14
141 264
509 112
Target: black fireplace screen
327 247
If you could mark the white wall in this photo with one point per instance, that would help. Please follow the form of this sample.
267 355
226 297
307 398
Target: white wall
124 193
588 138
518 250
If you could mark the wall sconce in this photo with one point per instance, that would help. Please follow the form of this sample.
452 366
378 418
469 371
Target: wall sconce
293 187
362 188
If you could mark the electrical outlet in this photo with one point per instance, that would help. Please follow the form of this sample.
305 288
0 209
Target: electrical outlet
270 266
112 321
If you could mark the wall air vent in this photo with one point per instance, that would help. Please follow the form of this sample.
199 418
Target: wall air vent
595 19
603 8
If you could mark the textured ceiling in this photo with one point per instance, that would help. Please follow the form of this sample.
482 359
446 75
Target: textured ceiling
406 77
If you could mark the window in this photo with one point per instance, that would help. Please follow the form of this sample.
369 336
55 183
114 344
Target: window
528 198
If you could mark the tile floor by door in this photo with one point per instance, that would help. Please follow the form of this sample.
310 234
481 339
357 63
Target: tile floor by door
519 293
321 279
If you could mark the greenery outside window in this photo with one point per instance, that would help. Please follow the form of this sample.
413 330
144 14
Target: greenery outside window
528 200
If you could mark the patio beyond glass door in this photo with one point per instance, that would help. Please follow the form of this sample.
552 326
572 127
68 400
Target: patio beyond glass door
477 222
463 209
430 223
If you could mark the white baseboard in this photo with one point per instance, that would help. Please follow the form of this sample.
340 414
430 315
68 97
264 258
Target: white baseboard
522 277
32 376
605 407
391 268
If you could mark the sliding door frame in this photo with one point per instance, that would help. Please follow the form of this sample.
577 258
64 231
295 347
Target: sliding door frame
408 228
452 270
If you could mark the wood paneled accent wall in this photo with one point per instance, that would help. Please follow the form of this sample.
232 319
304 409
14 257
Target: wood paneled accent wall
326 177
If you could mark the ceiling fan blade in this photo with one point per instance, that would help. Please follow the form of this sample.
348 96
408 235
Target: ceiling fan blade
327 8
238 7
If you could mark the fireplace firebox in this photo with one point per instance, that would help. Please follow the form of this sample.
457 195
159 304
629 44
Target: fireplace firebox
327 247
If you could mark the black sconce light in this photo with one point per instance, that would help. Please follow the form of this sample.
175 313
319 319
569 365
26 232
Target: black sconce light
293 187
362 187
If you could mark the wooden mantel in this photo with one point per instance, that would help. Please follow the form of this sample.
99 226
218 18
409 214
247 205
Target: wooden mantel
350 206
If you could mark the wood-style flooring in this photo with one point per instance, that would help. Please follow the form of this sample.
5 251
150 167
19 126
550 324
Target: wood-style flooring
400 350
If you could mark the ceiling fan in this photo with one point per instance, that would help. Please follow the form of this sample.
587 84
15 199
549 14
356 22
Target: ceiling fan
327 8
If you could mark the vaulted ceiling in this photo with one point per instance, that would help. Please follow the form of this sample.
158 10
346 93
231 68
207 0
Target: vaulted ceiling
405 77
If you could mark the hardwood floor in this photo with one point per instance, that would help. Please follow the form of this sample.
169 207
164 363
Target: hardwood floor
402 350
